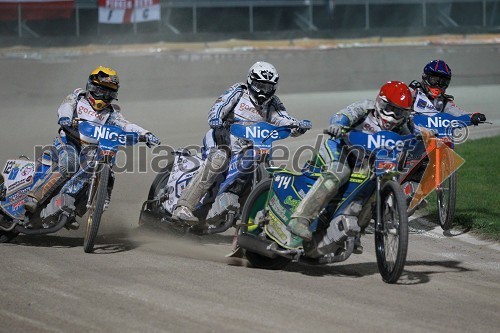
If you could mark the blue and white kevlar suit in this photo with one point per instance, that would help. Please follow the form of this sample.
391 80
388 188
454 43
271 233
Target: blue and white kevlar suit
72 152
233 106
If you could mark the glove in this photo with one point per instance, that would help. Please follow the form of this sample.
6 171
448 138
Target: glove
476 118
222 136
65 121
304 126
335 130
216 123
151 139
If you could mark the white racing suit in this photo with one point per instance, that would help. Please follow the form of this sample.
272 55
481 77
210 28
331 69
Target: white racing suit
73 153
424 105
233 106
339 160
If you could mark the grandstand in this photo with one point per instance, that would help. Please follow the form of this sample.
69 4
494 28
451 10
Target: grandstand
199 19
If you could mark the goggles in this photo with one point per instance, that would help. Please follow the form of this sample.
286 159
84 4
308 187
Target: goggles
264 87
438 81
388 109
102 93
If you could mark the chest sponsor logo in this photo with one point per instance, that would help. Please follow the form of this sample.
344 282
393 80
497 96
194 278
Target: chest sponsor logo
369 127
247 108
88 113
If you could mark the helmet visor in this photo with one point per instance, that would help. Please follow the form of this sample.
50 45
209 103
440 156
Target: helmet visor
102 93
263 87
438 81
393 111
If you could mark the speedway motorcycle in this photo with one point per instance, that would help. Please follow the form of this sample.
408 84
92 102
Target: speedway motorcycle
19 175
372 191
173 179
443 127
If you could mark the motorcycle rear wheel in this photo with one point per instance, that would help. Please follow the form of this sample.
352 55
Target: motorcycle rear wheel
256 201
391 234
96 208
446 198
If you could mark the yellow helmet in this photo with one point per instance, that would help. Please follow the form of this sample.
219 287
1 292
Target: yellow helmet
102 87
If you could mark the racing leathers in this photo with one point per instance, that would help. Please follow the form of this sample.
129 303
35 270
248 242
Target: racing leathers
339 160
71 153
425 105
233 106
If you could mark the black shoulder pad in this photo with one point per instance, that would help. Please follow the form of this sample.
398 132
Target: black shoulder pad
415 84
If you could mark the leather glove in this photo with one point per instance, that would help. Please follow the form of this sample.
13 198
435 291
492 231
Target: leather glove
222 136
65 121
304 126
335 130
151 139
476 118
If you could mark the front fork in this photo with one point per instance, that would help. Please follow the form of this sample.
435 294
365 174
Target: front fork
378 224
93 180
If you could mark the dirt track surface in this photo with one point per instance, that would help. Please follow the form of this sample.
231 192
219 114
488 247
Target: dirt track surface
148 281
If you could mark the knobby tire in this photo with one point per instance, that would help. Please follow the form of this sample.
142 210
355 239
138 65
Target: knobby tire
391 239
446 198
255 259
96 209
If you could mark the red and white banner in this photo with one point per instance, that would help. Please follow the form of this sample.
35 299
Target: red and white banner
128 11
35 9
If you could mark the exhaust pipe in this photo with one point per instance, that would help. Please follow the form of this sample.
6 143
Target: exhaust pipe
253 244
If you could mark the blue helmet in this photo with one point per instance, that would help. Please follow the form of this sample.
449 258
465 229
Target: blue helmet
438 68
436 77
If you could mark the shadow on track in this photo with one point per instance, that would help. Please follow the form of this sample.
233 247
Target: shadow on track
105 244
370 268
164 232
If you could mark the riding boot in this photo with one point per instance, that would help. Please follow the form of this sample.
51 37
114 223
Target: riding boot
42 190
323 190
199 186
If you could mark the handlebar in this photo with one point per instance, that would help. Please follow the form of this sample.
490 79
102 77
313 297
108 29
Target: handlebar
345 130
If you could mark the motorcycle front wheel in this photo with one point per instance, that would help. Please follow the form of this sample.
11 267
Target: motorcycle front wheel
256 202
391 233
159 185
98 196
446 197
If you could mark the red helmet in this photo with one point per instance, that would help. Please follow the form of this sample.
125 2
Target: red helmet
393 104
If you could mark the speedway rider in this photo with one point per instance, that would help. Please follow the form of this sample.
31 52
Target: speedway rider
390 112
242 103
430 98
92 104
429 95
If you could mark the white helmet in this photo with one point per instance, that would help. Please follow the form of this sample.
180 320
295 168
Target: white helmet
262 82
